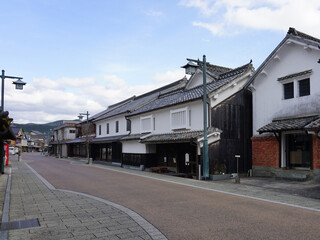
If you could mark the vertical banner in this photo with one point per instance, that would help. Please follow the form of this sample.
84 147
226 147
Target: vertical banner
6 153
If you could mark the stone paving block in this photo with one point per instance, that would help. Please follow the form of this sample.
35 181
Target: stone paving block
87 236
109 223
134 238
127 235
145 237
105 233
109 238
95 226
121 226
78 230
135 228
64 215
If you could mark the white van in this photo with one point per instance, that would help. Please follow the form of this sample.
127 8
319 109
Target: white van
11 150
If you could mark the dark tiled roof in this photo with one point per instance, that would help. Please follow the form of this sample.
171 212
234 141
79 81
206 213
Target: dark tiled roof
294 32
77 140
181 96
108 139
217 70
314 125
133 137
287 124
295 75
185 136
15 130
140 100
129 106
111 108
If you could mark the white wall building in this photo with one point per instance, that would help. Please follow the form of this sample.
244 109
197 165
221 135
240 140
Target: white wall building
286 98
168 131
112 125
62 134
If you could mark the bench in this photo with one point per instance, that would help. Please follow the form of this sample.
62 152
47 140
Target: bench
159 169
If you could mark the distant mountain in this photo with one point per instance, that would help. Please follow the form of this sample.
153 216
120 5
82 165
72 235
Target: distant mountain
44 128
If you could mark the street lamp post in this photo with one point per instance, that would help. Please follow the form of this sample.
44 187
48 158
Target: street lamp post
87 134
19 85
205 117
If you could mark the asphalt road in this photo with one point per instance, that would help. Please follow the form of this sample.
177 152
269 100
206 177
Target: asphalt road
182 212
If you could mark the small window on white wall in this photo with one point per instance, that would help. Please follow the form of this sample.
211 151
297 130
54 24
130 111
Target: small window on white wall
179 118
146 124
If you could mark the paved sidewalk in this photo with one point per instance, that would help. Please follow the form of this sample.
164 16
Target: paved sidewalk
3 185
67 215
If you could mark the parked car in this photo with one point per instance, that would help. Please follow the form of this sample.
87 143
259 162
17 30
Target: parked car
12 150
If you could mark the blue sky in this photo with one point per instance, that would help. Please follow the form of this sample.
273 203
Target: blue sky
78 55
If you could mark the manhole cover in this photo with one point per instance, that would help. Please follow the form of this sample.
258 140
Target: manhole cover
19 224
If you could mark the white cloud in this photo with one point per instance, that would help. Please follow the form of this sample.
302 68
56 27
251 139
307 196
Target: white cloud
207 7
75 82
44 83
168 77
224 17
153 13
46 100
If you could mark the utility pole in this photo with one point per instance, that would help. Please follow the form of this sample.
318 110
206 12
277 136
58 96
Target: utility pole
87 134
205 156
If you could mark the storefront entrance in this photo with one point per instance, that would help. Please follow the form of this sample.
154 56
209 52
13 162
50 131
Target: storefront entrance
298 151
110 152
173 157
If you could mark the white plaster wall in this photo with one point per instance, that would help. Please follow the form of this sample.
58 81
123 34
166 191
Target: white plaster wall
133 147
67 134
227 91
268 102
64 150
112 126
197 80
60 135
162 118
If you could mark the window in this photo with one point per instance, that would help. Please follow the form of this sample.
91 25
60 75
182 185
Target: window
128 125
304 87
146 124
296 84
288 90
117 126
99 129
179 118
72 131
107 128
154 124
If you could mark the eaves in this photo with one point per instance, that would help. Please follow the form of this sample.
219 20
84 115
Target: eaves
265 62
233 81
167 106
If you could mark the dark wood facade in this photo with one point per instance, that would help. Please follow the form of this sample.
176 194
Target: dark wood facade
169 155
173 156
110 152
135 159
234 117
77 150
